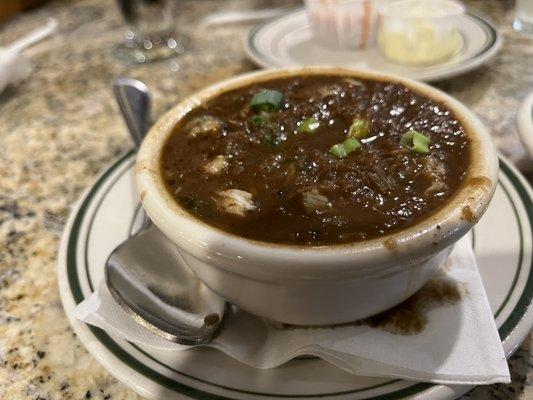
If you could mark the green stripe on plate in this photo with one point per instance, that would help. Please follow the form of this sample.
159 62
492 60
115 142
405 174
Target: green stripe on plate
524 302
520 255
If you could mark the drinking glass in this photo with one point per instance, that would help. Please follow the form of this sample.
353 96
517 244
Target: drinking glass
523 21
150 33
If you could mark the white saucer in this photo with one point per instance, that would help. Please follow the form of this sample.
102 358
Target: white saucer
106 215
288 41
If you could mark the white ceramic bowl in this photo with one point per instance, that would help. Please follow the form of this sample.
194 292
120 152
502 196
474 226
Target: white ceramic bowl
322 284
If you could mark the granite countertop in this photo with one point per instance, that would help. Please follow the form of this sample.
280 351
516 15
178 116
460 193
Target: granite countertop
59 128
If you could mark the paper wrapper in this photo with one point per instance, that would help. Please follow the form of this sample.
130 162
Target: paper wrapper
14 67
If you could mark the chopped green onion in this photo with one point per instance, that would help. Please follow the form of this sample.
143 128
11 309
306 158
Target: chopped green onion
267 100
407 139
350 145
341 150
421 143
359 129
416 141
338 151
309 125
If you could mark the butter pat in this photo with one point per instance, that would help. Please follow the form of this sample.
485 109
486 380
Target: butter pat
419 32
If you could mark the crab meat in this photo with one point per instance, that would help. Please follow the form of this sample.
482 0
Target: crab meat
435 187
204 126
315 202
235 201
435 171
216 166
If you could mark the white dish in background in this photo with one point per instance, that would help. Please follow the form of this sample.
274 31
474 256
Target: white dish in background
288 41
525 124
505 263
420 32
343 25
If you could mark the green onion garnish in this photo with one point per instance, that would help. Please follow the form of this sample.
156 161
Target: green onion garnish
309 125
359 129
350 145
421 143
338 151
341 150
267 100
407 139
416 141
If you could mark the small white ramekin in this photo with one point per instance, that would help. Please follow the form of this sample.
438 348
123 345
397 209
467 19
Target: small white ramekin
323 284
419 32
343 24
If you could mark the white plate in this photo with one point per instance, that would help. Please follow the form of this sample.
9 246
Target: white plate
288 41
104 218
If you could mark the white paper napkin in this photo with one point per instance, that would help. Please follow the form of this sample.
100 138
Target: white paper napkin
15 66
444 335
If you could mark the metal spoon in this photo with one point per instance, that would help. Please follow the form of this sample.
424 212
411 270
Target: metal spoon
146 275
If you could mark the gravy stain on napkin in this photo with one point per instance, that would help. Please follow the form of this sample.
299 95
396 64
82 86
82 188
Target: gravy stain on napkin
410 317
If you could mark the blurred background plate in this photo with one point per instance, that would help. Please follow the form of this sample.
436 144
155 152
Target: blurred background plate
288 41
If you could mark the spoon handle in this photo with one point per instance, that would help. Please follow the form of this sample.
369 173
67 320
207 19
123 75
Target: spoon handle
134 100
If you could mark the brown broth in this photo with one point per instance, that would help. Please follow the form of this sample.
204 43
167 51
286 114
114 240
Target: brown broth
377 189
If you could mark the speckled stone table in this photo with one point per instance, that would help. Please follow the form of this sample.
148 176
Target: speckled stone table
59 128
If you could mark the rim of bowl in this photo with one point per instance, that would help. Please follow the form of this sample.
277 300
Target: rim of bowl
436 232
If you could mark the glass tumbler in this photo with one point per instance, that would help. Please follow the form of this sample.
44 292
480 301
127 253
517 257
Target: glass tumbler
150 33
523 21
